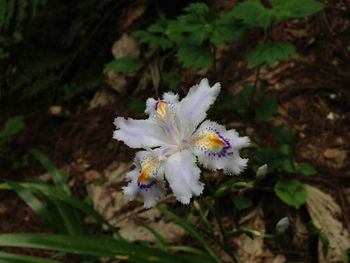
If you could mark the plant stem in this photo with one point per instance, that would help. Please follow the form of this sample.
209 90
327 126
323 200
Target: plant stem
255 86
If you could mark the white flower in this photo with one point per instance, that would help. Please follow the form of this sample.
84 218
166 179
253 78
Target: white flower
174 136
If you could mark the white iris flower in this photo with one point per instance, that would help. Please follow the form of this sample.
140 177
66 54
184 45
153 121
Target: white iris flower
174 137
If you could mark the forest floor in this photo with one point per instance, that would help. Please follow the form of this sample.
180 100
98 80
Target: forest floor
314 100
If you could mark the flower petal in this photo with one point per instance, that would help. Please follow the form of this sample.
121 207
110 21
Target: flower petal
159 106
192 109
146 180
139 133
182 175
217 148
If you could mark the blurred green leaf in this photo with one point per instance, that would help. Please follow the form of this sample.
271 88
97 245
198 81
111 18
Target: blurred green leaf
152 39
270 156
226 28
242 203
266 109
191 231
270 52
52 192
12 126
192 250
253 14
99 246
291 191
17 258
160 240
171 79
286 136
305 169
136 105
296 8
54 173
196 57
124 65
314 230
34 203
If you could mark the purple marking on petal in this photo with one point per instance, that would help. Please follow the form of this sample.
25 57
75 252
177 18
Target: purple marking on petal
156 105
224 150
146 187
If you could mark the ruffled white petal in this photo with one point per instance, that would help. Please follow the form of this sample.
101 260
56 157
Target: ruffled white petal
152 186
225 156
192 109
150 196
183 175
139 133
170 97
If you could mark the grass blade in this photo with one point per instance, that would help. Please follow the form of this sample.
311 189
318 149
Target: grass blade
191 230
55 174
160 240
17 258
34 203
100 246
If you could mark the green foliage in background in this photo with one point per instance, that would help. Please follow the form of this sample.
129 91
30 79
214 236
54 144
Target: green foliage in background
12 126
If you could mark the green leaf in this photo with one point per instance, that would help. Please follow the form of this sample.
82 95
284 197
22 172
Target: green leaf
17 258
226 28
152 39
12 126
99 246
54 173
160 240
192 250
34 203
270 52
314 230
196 57
136 105
253 14
242 203
171 79
124 65
191 231
274 158
296 8
291 191
194 27
266 109
286 136
69 217
305 169
54 193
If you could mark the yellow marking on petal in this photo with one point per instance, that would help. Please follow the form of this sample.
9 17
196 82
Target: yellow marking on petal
148 167
209 139
162 108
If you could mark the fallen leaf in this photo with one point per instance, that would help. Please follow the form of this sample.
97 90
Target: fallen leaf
126 46
325 214
102 98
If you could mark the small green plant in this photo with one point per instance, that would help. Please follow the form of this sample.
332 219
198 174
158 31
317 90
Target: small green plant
12 126
281 159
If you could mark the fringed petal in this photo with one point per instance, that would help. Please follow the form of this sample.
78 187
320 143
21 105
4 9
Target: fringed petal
183 175
139 133
146 180
192 109
217 148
